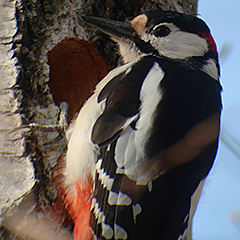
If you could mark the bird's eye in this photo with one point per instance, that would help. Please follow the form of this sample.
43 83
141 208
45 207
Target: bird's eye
161 31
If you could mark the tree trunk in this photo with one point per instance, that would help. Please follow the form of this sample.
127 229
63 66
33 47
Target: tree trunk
16 169
40 47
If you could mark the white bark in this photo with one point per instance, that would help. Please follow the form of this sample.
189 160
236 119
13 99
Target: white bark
16 171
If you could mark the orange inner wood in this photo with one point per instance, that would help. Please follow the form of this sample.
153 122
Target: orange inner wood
75 68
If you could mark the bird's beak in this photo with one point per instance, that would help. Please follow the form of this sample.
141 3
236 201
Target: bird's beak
115 29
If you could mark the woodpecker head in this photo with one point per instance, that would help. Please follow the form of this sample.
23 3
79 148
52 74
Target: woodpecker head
165 34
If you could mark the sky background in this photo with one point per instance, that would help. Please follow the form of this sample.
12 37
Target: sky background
221 195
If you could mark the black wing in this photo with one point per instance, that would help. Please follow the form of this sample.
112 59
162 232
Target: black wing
121 208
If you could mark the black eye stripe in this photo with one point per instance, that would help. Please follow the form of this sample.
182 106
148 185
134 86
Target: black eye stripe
161 31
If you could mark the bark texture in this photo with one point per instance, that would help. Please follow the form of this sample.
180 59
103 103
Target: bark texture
16 170
33 35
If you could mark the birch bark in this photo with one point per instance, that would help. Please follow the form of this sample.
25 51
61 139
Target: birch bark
16 170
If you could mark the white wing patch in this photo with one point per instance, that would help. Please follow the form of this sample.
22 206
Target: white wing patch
94 237
98 164
101 217
120 170
119 232
94 200
137 209
126 149
105 179
129 148
119 199
112 198
96 210
123 199
107 231
150 186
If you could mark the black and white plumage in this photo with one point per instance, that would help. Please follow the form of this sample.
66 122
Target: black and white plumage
148 136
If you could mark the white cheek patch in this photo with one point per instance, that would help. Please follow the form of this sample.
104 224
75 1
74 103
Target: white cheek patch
178 44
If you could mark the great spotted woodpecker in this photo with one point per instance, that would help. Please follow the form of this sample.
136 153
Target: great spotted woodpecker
145 141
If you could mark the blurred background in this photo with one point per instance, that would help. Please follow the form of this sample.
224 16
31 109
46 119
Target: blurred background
218 214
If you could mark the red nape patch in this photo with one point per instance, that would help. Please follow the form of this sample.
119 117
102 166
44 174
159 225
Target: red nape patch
75 68
210 41
79 204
